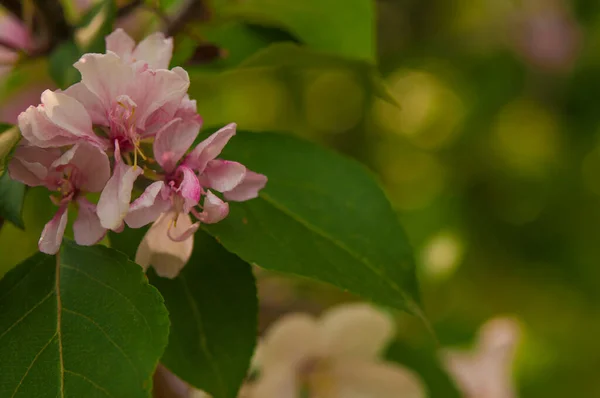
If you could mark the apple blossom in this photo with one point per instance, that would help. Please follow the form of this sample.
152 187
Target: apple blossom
486 372
167 245
83 168
334 356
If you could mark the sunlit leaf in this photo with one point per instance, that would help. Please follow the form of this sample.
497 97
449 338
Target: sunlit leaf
341 27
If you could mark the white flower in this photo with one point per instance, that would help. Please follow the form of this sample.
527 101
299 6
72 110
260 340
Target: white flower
485 372
335 356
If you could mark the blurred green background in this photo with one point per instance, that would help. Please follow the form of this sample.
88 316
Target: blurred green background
492 158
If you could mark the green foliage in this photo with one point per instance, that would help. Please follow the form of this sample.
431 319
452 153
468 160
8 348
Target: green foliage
272 84
61 64
98 23
12 194
213 310
84 323
320 216
341 27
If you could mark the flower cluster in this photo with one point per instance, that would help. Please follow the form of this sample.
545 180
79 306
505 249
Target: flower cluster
129 107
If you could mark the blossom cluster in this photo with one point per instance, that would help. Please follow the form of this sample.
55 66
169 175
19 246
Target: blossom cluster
129 121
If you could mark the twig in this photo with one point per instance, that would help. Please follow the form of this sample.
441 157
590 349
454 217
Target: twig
13 6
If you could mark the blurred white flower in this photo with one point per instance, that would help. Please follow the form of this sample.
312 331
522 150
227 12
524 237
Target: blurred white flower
486 371
335 356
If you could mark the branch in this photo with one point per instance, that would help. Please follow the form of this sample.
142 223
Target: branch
55 27
192 10
13 6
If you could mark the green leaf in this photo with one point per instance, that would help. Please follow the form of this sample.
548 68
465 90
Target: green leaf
12 194
426 363
85 323
321 216
213 310
61 62
281 76
341 27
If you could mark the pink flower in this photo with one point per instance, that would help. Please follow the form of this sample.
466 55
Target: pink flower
155 50
83 168
486 371
181 189
59 120
16 35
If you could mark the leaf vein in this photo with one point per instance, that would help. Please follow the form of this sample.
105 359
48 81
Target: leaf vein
201 334
32 363
135 369
114 290
339 244
90 381
26 314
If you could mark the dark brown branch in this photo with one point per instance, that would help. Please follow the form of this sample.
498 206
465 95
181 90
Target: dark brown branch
13 6
55 28
192 10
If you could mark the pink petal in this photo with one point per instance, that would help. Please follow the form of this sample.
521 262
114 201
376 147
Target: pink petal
90 102
148 207
32 166
165 255
69 115
214 209
189 188
54 231
105 75
120 43
210 148
87 228
156 50
173 140
248 188
158 91
14 32
223 175
116 195
91 165
39 130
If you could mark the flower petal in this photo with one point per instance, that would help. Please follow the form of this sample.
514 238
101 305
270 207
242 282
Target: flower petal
360 379
210 148
173 140
487 371
39 130
120 43
148 207
156 50
87 228
69 115
223 175
189 188
105 75
92 168
165 255
214 209
276 382
116 195
358 331
248 188
32 166
159 91
53 232
90 102
290 341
